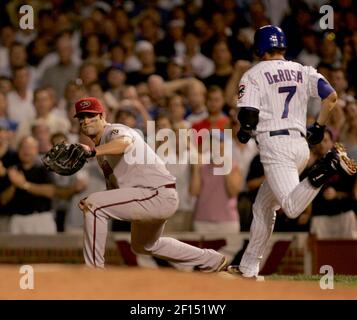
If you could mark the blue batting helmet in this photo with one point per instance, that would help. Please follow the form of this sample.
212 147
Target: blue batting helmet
268 37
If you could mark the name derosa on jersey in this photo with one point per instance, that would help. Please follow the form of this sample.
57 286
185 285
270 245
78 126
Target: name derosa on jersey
284 75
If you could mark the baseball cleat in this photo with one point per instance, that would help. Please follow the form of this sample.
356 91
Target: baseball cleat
223 266
234 270
347 164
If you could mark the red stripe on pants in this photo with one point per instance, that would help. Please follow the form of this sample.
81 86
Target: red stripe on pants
112 205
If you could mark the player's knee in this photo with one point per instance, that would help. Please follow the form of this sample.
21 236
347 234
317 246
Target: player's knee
257 208
85 206
89 203
290 210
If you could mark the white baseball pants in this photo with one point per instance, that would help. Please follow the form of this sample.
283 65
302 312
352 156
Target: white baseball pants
284 157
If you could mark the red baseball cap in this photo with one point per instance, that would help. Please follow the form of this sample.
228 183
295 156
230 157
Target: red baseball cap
88 105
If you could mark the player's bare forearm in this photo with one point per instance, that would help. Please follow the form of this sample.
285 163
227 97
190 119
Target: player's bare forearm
195 183
233 182
114 147
230 92
327 106
43 190
255 183
179 84
7 195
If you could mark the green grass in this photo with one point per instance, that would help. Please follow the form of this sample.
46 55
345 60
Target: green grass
338 278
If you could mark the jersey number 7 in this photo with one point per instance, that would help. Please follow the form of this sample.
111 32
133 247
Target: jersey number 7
291 91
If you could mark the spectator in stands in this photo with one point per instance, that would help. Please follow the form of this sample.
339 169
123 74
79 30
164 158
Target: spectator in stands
309 54
177 111
58 75
218 213
31 185
87 27
254 179
294 24
196 98
18 58
121 19
146 54
8 157
88 74
116 56
20 106
126 117
40 130
222 59
92 51
131 62
216 118
115 79
340 84
349 135
3 116
243 155
46 26
175 68
45 107
149 27
334 208
202 66
7 37
134 107
157 93
220 28
205 33
99 16
180 168
329 51
162 121
159 90
172 44
38 50
5 85
66 188
109 30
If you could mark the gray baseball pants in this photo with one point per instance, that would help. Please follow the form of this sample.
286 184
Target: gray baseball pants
147 209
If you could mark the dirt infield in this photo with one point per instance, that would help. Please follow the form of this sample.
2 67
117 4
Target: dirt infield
78 282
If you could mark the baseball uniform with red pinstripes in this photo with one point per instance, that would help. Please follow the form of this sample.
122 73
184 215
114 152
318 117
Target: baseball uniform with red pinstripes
137 193
279 89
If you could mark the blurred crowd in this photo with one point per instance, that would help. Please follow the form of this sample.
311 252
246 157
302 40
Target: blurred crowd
177 63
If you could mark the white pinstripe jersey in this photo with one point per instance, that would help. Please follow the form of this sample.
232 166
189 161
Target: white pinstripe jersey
279 89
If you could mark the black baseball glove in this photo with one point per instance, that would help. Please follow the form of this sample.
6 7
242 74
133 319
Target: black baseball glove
66 159
315 133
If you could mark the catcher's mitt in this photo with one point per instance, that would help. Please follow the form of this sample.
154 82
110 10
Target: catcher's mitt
66 159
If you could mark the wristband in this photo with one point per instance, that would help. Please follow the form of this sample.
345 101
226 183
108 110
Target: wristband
93 152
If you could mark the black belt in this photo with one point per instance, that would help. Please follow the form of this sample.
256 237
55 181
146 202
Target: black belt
283 132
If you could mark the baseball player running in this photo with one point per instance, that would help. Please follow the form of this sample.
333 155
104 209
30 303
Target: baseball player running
272 104
144 194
